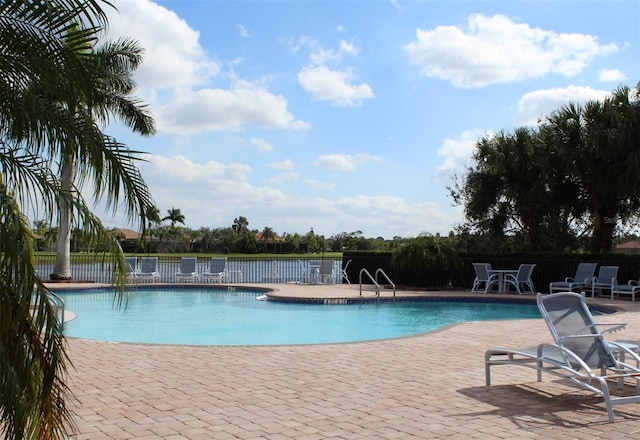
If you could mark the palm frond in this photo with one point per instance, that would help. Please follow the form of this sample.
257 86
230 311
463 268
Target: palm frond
33 394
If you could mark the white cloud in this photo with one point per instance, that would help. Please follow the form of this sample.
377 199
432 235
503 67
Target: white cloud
283 179
535 106
242 31
345 162
173 56
181 169
322 186
176 74
263 146
212 194
496 49
323 56
191 111
284 165
457 154
611 75
333 85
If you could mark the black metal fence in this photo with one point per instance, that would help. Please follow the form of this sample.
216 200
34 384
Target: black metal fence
548 268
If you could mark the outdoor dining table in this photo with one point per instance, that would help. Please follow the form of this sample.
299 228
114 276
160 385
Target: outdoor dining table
502 288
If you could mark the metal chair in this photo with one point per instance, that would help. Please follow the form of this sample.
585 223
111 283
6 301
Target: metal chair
607 276
483 278
345 276
522 280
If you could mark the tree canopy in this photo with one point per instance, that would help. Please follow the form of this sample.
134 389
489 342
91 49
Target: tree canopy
574 174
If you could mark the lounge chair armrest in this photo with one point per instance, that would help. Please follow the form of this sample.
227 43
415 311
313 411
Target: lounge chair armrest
568 280
632 283
613 326
585 336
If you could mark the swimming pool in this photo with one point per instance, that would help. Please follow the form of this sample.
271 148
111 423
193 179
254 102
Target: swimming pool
221 317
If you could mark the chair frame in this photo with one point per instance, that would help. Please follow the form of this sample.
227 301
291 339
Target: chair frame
132 268
584 273
607 277
560 360
481 270
313 272
522 279
343 271
215 275
326 272
187 263
152 276
631 288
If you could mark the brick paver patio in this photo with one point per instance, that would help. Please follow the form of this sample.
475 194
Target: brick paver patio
426 386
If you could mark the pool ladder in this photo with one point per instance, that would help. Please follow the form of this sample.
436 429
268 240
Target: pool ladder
374 280
57 304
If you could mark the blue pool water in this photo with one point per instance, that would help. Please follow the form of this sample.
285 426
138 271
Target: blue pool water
221 317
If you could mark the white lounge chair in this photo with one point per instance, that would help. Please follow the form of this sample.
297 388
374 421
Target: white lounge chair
522 280
484 281
148 270
217 270
631 288
343 271
580 353
325 272
188 271
313 275
607 277
584 273
132 267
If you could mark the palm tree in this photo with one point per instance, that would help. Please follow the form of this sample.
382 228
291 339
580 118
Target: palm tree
153 216
600 141
512 187
174 215
207 238
111 66
39 53
268 234
240 225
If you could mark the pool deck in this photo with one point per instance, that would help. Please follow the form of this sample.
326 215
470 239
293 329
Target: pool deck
419 387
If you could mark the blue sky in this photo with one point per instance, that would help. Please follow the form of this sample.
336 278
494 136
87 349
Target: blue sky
352 115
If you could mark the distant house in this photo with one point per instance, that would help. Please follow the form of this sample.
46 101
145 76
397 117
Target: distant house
126 234
261 239
268 242
129 239
630 247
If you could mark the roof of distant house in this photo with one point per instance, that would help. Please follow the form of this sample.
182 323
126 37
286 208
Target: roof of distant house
128 234
260 237
633 244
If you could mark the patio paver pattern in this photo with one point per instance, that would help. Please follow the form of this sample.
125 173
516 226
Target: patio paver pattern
420 387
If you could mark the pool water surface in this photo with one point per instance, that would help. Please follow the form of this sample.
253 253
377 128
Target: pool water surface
220 317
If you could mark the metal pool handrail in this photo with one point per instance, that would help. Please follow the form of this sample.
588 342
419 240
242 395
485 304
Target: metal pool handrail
380 271
366 272
59 305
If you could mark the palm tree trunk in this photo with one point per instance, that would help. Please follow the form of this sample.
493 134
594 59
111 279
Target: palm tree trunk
61 267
